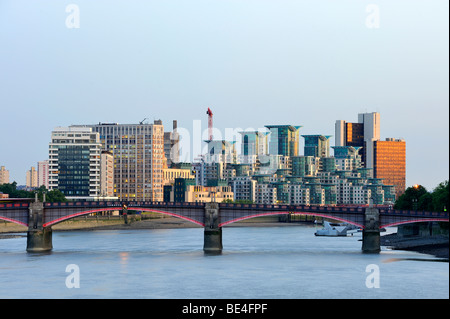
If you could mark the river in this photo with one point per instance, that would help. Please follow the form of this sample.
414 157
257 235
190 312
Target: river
280 262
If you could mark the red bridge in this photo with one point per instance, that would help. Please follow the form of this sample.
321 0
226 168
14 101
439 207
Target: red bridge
39 217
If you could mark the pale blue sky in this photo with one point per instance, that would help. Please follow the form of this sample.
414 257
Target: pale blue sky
254 62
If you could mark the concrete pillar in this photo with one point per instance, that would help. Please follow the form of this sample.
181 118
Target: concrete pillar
39 238
213 233
371 231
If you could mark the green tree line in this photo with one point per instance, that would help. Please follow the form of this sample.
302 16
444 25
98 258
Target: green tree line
418 198
54 195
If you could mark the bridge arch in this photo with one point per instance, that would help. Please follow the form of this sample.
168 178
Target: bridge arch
98 210
170 214
15 221
412 221
297 213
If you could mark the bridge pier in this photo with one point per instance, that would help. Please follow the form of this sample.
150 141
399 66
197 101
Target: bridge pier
39 238
212 242
371 231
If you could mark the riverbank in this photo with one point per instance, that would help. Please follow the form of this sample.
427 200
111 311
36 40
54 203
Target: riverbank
437 246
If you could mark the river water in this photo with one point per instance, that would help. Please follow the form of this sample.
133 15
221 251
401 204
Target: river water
284 262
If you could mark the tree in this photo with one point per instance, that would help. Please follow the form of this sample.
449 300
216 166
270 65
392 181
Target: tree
13 192
418 198
55 195
440 197
410 199
50 196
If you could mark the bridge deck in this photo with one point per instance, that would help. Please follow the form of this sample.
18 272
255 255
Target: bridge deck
18 212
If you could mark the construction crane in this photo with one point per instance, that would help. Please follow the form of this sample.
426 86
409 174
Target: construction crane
210 123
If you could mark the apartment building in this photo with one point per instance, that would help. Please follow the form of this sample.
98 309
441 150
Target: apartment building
4 175
43 177
32 178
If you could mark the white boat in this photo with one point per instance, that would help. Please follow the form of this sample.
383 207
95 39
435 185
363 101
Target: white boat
335 229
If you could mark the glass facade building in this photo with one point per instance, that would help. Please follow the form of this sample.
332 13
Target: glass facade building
74 162
390 163
317 145
284 140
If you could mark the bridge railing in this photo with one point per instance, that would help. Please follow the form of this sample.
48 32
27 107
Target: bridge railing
15 205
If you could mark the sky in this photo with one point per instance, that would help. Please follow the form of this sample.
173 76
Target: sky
253 62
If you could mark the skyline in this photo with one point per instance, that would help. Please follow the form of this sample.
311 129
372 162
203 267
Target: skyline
254 63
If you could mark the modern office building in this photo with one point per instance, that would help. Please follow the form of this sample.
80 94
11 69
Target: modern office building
43 174
390 163
284 140
74 162
361 134
349 134
139 159
317 145
4 175
32 178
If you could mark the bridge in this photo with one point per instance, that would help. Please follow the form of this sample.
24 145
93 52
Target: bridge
40 216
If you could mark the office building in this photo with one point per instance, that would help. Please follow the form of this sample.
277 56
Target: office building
74 162
139 159
390 163
361 134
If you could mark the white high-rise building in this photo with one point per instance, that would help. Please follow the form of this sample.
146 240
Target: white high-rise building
371 123
361 134
74 162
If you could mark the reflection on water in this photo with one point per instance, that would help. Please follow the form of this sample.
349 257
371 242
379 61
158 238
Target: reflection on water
257 262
